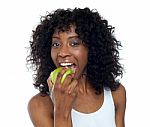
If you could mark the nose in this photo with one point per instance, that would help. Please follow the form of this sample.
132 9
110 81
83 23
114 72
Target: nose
64 51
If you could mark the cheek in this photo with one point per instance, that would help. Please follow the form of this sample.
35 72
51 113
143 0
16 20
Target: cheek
83 57
82 62
53 56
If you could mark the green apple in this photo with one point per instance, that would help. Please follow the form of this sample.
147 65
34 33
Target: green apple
54 74
68 72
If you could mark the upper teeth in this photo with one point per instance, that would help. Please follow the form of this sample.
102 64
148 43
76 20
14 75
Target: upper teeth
65 64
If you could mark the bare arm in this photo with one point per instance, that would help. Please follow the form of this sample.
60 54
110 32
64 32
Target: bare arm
120 104
54 111
41 111
63 97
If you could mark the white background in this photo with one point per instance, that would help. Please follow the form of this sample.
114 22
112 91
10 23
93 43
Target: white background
131 19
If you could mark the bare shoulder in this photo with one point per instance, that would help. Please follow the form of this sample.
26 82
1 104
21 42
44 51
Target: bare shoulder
120 90
40 101
40 108
119 96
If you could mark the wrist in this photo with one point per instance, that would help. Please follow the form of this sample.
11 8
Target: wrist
61 114
62 119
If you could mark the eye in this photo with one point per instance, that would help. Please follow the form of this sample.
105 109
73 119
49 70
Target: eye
55 44
75 42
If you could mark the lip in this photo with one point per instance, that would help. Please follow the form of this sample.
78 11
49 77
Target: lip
71 65
65 62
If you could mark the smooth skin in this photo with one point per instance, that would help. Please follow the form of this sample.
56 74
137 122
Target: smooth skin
55 111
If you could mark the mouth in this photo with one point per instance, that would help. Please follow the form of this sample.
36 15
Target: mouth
73 66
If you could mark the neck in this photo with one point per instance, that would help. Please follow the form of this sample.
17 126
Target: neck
84 86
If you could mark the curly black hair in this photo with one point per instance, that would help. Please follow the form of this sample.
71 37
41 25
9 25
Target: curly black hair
103 65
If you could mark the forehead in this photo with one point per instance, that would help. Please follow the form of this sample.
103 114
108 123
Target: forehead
69 30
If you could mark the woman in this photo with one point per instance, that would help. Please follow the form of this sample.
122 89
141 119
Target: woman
91 96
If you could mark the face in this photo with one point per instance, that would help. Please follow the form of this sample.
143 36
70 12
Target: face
68 50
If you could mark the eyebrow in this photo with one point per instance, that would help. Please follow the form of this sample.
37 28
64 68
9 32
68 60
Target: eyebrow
55 37
74 36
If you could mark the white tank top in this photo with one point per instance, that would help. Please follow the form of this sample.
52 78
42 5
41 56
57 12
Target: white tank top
103 117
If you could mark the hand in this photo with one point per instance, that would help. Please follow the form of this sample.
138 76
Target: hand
63 95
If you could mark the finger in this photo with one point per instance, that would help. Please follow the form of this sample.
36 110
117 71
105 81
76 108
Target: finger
50 85
72 86
59 76
67 81
49 82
